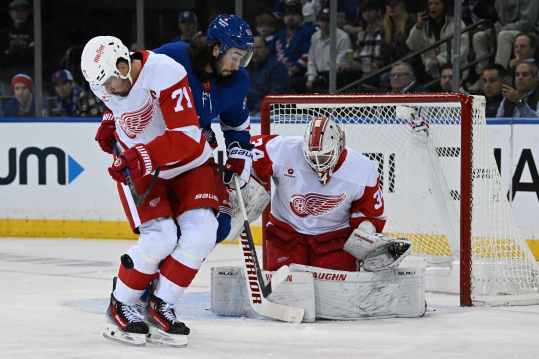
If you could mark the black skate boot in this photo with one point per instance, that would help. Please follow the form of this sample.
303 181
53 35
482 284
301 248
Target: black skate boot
166 328
127 324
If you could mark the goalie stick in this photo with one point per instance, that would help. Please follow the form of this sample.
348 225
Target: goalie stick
139 199
256 288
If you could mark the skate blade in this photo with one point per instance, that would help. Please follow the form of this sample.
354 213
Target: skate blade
157 336
114 333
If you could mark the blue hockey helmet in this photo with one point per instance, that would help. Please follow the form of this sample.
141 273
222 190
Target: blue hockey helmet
231 31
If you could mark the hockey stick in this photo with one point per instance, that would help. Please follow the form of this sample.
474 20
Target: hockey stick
277 277
139 199
258 291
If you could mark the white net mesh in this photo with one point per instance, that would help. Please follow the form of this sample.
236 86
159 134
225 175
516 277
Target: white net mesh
421 178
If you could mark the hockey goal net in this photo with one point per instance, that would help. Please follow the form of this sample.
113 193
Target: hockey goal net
443 191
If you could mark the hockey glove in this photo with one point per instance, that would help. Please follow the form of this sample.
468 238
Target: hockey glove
210 137
238 163
105 132
134 162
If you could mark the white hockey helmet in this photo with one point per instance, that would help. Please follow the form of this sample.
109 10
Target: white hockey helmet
100 57
322 146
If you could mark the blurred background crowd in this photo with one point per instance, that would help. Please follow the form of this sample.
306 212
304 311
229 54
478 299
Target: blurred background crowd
397 46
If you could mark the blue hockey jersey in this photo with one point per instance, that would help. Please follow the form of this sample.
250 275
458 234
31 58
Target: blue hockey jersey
223 99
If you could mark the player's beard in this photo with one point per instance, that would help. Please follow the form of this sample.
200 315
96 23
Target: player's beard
216 67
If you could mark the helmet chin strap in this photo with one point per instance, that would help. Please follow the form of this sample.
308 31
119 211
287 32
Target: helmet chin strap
128 76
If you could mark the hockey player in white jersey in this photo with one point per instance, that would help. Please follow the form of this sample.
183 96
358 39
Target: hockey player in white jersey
327 208
325 222
153 120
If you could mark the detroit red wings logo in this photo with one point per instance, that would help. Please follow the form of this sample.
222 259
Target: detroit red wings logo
135 122
315 204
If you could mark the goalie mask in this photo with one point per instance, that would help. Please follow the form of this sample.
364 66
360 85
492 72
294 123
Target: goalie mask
100 57
322 147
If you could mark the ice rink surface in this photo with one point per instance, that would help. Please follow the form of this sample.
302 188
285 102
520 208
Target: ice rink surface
54 295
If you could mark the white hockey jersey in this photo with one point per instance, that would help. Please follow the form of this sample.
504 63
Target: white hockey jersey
299 201
160 113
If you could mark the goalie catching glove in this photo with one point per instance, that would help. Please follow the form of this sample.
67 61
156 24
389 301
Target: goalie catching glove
376 251
239 162
419 125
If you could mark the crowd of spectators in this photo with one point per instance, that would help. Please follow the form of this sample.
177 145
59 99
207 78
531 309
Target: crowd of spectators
498 57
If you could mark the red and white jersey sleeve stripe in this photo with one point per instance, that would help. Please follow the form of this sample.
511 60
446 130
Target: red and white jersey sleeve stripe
369 207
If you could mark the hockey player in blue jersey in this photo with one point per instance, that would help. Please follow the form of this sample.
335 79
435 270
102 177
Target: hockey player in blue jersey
219 82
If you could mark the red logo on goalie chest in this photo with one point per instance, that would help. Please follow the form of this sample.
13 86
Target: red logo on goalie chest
135 122
315 204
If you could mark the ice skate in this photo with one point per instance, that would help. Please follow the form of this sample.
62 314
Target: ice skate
126 323
165 328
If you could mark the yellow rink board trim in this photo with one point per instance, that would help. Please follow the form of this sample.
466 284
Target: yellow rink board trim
35 228
32 228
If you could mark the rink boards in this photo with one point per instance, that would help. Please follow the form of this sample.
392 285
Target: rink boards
54 180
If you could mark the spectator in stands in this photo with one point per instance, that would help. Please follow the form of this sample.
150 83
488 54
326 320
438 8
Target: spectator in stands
402 78
350 10
368 55
469 15
17 39
397 26
446 79
292 43
524 48
188 27
266 26
310 10
70 99
522 100
483 39
267 75
431 26
319 56
278 9
515 17
22 104
492 82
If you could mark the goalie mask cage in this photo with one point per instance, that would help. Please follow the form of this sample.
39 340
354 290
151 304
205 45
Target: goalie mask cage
442 190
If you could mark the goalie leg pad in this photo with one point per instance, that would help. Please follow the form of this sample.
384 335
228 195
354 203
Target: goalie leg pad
228 293
328 294
360 295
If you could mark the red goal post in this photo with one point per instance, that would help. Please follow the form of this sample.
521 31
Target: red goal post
459 157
